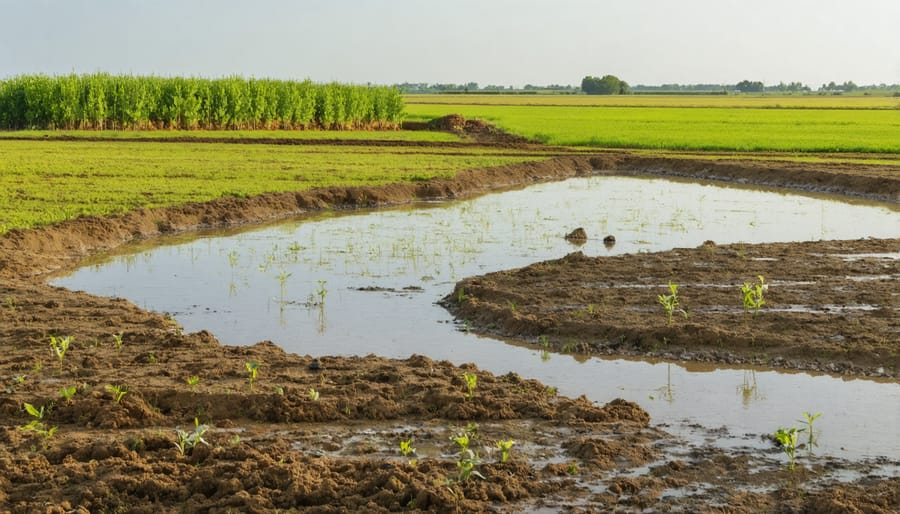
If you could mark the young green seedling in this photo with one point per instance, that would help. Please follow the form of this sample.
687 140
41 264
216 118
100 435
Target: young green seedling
753 295
252 369
66 393
321 292
313 394
808 421
36 425
193 381
471 381
504 447
408 451
117 340
118 391
186 441
788 437
60 346
466 464
669 303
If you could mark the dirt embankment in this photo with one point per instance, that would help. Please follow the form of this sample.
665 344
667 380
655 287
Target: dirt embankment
323 435
829 306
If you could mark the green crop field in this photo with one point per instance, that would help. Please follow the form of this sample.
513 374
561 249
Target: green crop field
44 182
696 128
231 135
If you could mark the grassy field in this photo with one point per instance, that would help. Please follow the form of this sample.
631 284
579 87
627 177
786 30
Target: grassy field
44 182
730 101
355 135
696 128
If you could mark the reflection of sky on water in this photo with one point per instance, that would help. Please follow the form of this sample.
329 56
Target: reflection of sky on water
232 286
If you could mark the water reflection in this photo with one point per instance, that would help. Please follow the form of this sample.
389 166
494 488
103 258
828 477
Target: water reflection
368 282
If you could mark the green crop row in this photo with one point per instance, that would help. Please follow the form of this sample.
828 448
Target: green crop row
44 182
103 101
698 128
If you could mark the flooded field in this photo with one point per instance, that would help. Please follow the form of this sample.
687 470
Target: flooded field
367 282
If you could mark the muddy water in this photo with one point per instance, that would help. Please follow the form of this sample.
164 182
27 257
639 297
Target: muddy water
367 283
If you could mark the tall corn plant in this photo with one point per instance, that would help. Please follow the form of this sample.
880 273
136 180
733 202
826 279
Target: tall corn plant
103 101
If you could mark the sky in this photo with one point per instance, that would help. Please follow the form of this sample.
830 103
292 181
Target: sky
499 42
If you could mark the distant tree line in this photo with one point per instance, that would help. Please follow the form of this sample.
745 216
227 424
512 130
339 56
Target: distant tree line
473 87
610 84
103 101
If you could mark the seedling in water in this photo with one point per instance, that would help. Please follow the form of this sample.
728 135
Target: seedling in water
471 380
313 394
193 381
252 369
408 451
808 421
321 292
60 346
669 303
787 437
186 441
753 295
118 391
66 393
504 447
282 279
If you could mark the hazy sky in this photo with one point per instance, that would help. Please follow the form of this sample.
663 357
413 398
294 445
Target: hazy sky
504 42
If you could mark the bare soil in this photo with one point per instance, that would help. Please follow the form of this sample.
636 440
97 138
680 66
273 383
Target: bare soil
274 446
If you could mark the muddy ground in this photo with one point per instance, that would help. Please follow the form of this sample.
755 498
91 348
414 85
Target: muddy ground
323 434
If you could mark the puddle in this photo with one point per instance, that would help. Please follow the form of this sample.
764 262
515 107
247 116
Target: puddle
366 282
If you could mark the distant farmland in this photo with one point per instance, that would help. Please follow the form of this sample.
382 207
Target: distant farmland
836 124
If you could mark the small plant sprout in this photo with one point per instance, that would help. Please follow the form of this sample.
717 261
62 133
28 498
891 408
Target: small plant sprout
808 421
118 391
408 451
468 460
669 303
753 295
117 340
321 292
36 425
313 394
471 381
504 447
253 370
60 346
193 381
66 393
512 305
34 411
463 441
186 441
461 295
282 280
787 438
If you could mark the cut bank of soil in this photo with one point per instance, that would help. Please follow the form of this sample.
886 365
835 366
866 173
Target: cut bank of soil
276 448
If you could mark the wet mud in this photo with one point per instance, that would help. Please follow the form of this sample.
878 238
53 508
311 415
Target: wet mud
323 434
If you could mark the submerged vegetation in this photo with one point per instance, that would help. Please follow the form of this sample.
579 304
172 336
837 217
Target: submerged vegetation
102 101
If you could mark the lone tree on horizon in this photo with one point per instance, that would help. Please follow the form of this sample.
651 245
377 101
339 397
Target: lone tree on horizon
606 85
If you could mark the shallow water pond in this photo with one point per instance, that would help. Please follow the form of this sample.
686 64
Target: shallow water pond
367 282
